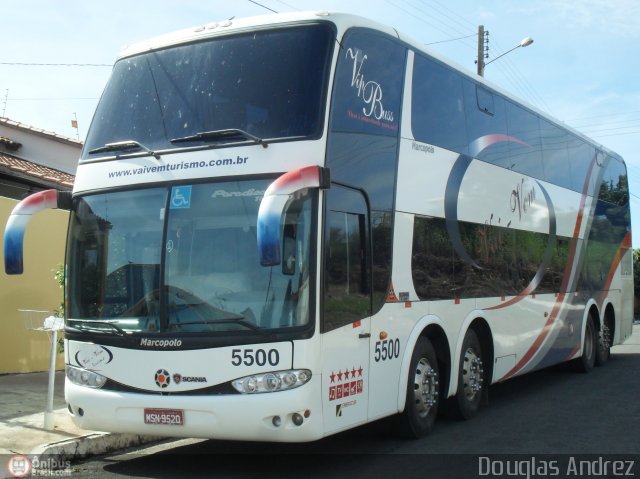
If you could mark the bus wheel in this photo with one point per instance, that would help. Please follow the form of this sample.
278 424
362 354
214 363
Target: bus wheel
466 402
603 351
586 362
421 406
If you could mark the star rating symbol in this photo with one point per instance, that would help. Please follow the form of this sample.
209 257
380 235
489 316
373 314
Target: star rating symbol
346 374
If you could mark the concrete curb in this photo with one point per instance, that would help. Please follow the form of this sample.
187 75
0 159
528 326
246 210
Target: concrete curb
91 445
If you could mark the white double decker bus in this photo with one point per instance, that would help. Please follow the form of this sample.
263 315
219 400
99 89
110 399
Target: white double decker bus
286 226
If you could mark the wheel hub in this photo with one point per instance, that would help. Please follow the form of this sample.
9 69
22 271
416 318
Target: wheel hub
425 387
472 374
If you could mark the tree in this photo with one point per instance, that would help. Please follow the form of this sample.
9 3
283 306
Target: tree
636 281
58 276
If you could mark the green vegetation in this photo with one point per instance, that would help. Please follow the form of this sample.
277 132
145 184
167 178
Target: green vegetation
636 281
58 276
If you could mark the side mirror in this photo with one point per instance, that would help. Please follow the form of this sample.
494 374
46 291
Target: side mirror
274 203
289 255
19 219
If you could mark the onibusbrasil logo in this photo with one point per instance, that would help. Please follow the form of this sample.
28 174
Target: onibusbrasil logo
19 466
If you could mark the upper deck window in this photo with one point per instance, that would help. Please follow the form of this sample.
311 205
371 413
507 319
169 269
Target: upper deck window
268 83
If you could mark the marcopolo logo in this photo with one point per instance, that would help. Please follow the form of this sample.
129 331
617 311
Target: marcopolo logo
161 343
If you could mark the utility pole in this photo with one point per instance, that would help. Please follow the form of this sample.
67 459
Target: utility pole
483 49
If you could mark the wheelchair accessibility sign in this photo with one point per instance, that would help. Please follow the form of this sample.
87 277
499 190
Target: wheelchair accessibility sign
180 197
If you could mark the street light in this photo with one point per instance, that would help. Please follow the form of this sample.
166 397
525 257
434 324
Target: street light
525 42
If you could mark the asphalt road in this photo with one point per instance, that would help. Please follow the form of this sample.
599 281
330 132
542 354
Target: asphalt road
539 425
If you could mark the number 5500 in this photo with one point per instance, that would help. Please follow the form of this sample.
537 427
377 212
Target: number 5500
387 349
259 357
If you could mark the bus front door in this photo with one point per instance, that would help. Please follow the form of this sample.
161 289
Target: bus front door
346 309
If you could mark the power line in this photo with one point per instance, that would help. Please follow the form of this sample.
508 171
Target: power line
608 123
467 21
616 128
452 39
527 87
261 5
27 64
287 5
50 99
617 134
422 17
603 115
519 81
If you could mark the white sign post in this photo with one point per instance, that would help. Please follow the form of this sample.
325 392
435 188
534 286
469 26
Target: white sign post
44 321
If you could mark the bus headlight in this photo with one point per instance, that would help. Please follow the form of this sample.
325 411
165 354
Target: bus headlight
271 382
84 377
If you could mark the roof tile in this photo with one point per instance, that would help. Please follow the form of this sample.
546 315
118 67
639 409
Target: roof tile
36 171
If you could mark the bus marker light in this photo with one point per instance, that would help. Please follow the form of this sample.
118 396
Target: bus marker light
297 419
307 413
276 421
383 335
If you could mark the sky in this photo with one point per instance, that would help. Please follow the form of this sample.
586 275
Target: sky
582 68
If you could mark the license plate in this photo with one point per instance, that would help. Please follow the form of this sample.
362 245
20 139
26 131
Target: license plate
166 417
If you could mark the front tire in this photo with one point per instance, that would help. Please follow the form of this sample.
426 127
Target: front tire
423 394
466 403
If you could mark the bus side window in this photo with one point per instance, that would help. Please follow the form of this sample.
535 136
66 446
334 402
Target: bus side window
347 290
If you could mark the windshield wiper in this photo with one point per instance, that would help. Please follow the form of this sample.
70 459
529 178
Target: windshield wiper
116 329
220 135
124 146
235 320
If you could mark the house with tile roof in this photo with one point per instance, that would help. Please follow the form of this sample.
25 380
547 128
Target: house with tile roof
31 160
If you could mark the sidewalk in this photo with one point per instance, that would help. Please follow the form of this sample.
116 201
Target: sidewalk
23 400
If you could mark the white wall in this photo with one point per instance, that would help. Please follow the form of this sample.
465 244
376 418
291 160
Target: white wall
42 147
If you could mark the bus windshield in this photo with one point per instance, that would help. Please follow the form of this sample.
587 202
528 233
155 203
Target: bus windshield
267 84
184 259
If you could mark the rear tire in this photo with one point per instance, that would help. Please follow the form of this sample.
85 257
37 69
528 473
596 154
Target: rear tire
466 403
587 361
603 350
423 395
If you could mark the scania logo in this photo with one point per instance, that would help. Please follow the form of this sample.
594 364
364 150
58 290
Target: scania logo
177 378
162 378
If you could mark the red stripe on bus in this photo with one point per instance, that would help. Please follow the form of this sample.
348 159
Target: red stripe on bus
533 349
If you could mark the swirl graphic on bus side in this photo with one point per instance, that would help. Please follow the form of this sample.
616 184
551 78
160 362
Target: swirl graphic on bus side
452 196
